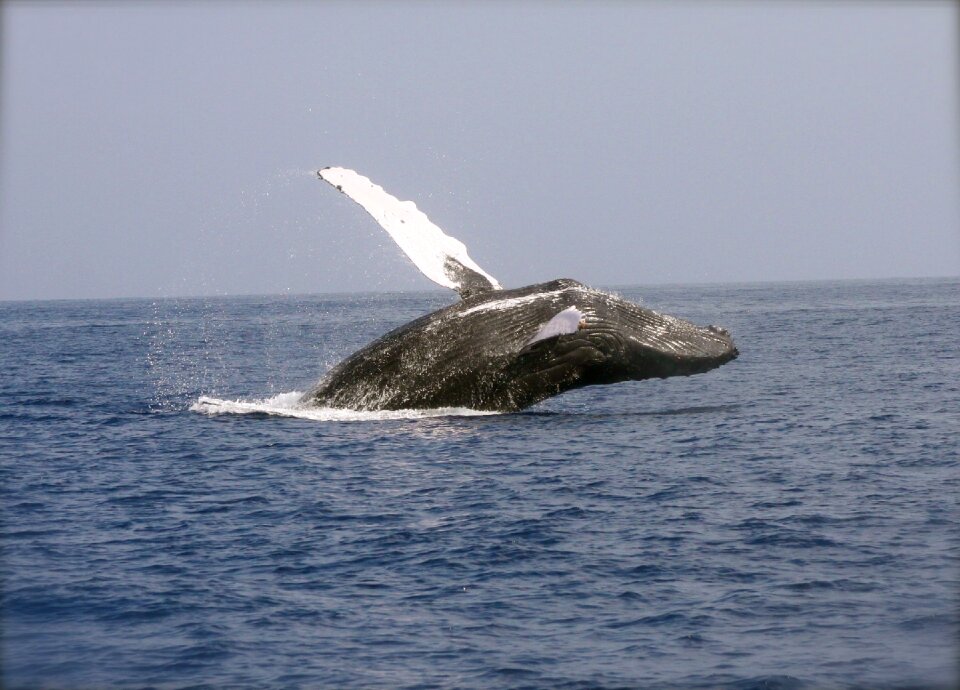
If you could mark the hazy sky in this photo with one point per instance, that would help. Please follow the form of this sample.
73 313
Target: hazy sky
165 149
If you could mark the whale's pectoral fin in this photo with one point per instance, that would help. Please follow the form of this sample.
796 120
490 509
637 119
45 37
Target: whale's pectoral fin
555 359
550 366
468 282
441 258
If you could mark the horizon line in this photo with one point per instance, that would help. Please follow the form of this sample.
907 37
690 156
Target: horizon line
440 290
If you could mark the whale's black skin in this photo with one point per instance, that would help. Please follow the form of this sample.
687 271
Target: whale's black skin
474 353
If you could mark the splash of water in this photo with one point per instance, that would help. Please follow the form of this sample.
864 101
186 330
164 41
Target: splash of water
289 405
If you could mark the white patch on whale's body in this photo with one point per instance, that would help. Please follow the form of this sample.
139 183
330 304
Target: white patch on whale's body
566 322
509 303
428 247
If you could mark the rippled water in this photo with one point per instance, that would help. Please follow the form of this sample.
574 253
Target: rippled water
789 520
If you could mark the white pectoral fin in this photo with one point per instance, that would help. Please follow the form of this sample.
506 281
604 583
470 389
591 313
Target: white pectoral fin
567 321
443 259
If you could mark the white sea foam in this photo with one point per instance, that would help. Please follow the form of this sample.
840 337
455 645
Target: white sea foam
289 405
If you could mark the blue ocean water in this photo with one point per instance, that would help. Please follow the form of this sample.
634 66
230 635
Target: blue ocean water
789 520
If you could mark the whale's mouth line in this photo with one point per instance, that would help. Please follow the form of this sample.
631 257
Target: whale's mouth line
610 338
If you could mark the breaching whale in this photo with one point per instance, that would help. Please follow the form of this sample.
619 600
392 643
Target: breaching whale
497 349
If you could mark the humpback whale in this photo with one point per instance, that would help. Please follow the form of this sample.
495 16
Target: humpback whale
502 349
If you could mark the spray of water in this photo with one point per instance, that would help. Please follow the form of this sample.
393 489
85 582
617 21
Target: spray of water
288 405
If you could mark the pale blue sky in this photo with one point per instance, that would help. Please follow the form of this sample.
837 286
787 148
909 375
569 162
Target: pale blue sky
155 149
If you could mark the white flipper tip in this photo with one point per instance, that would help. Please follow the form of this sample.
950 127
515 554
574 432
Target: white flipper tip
441 258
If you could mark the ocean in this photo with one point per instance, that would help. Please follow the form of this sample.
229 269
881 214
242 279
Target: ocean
170 519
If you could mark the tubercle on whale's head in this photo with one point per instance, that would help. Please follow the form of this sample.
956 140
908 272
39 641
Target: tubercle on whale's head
679 348
725 336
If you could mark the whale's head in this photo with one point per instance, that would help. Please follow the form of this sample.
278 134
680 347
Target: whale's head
616 340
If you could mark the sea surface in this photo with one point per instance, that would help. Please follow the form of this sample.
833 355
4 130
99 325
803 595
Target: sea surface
171 519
